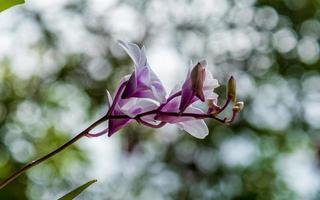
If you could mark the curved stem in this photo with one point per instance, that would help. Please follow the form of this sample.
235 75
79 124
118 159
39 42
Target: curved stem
224 106
49 155
97 134
233 117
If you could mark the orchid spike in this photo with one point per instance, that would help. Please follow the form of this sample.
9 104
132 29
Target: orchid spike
141 97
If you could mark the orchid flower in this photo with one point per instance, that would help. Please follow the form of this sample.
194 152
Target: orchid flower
141 97
199 85
139 92
143 82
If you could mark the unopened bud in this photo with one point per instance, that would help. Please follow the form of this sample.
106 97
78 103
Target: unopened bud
238 106
231 89
197 79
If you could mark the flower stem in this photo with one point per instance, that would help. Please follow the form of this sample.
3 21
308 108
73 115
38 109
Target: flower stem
49 155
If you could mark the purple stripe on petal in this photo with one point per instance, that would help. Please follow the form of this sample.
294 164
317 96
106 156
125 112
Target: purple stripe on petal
130 87
187 95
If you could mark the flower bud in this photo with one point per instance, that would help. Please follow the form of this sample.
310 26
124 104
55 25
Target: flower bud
238 106
197 79
231 89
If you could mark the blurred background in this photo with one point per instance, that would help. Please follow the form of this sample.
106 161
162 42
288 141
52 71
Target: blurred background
57 58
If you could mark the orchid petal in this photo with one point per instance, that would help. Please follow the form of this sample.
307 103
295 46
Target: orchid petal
115 124
203 63
197 78
195 110
131 86
210 95
136 54
143 82
187 95
150 119
136 106
174 90
109 99
174 119
210 83
173 106
196 128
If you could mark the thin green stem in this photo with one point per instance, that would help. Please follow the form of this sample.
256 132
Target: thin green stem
51 154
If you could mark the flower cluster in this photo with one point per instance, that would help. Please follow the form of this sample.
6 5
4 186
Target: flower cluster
141 97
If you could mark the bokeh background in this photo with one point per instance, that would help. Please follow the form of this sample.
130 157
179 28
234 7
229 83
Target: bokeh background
57 58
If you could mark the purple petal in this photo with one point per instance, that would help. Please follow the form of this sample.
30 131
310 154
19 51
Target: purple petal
116 124
187 95
131 86
159 91
143 76
172 106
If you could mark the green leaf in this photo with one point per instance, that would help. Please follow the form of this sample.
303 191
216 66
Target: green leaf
5 4
74 193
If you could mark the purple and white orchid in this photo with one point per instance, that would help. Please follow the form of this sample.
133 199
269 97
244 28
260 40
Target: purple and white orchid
141 97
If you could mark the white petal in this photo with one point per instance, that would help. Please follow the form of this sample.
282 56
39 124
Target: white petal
150 119
203 63
159 91
191 64
175 89
196 128
191 109
109 99
160 95
210 95
210 83
136 106
143 57
137 55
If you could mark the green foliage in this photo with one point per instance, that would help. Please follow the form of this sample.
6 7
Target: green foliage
74 193
5 4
